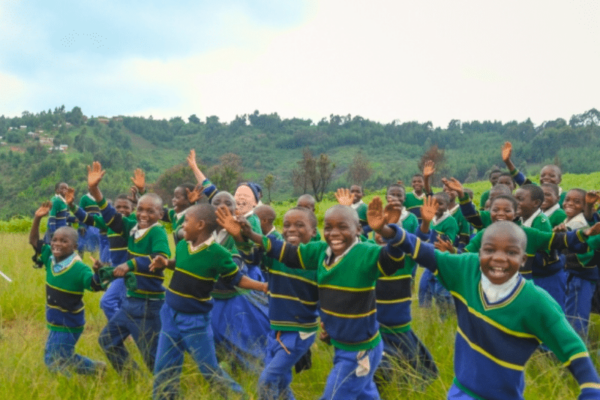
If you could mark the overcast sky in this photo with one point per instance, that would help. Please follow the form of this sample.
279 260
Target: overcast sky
426 60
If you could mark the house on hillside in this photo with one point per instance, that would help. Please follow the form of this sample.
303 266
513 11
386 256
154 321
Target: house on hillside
46 141
62 148
103 120
17 149
33 134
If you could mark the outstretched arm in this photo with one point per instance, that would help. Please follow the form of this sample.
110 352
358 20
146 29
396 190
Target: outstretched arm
34 233
518 176
191 160
428 211
591 199
428 171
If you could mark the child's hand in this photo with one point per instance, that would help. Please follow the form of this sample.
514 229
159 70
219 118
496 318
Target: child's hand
560 228
70 196
454 185
444 245
194 195
228 222
158 263
139 180
95 174
506 151
133 197
121 270
265 288
191 159
344 197
375 215
245 226
323 335
429 208
593 231
592 197
43 210
96 264
392 211
428 169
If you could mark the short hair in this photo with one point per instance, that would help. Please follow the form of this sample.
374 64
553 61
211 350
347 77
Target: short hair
306 197
579 190
395 186
506 226
506 197
70 232
223 193
206 213
58 185
311 215
124 197
442 196
187 185
556 168
501 189
267 212
418 176
347 210
358 186
469 192
154 198
535 192
507 174
494 171
551 186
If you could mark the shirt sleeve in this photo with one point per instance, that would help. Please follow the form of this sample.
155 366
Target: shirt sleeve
159 247
391 256
470 212
209 190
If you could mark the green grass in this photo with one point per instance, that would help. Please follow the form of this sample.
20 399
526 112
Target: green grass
23 374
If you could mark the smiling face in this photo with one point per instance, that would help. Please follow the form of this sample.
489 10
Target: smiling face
357 192
494 177
63 244
244 199
148 212
396 193
62 189
502 253
507 181
224 199
526 205
123 207
297 227
192 227
451 193
180 200
417 184
341 228
550 174
574 203
502 210
550 198
442 206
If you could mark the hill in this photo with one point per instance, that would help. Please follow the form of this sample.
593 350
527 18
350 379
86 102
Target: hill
252 146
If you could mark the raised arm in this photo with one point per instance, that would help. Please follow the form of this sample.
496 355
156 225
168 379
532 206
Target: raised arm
467 207
428 171
191 160
34 233
591 199
517 175
428 211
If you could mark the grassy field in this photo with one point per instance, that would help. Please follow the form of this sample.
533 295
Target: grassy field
23 374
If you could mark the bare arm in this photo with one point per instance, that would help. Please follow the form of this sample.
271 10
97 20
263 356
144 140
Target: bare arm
191 160
34 233
249 283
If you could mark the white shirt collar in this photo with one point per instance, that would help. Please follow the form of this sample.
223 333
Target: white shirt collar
419 197
271 231
329 252
356 205
181 214
551 210
577 222
138 233
207 242
403 215
530 219
62 198
249 213
221 236
559 191
495 293
445 215
454 209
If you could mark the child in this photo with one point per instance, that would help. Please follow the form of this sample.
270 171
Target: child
185 316
494 175
116 293
507 180
443 226
347 272
478 219
359 206
414 200
139 314
574 204
89 236
502 318
550 206
266 215
59 214
293 299
464 228
66 279
307 201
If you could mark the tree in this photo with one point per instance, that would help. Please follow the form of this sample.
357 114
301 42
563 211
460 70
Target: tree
269 181
438 157
166 183
228 173
193 119
360 170
315 173
75 116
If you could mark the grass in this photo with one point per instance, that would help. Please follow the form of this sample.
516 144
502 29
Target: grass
24 375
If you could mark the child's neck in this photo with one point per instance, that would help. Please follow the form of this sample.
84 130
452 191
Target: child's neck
268 229
62 258
180 209
452 204
526 217
418 192
547 208
202 237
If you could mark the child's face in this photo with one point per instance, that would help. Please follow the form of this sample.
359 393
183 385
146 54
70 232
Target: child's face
526 205
357 192
62 246
395 193
192 227
266 225
62 189
507 181
297 228
550 198
148 213
442 207
487 205
573 204
451 193
502 210
180 200
501 255
340 231
550 174
494 178
244 199
417 184
123 207
306 204
225 199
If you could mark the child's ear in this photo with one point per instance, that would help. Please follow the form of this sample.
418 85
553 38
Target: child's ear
161 212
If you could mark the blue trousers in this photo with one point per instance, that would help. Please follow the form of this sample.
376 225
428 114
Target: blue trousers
104 249
456 394
344 382
555 285
60 356
406 348
139 318
430 288
192 333
274 382
112 299
90 241
578 303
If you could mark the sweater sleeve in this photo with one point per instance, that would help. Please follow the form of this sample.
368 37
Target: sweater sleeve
470 212
112 218
209 190
391 257
305 256
159 247
52 216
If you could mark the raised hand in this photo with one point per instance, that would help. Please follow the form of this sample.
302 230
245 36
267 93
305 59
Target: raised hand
454 185
96 264
43 210
375 216
428 169
392 211
121 270
560 228
95 174
506 151
158 263
70 196
593 231
228 222
194 195
245 226
429 208
344 197
444 245
592 197
133 197
191 159
139 180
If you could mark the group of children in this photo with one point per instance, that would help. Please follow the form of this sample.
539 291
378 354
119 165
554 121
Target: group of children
243 295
